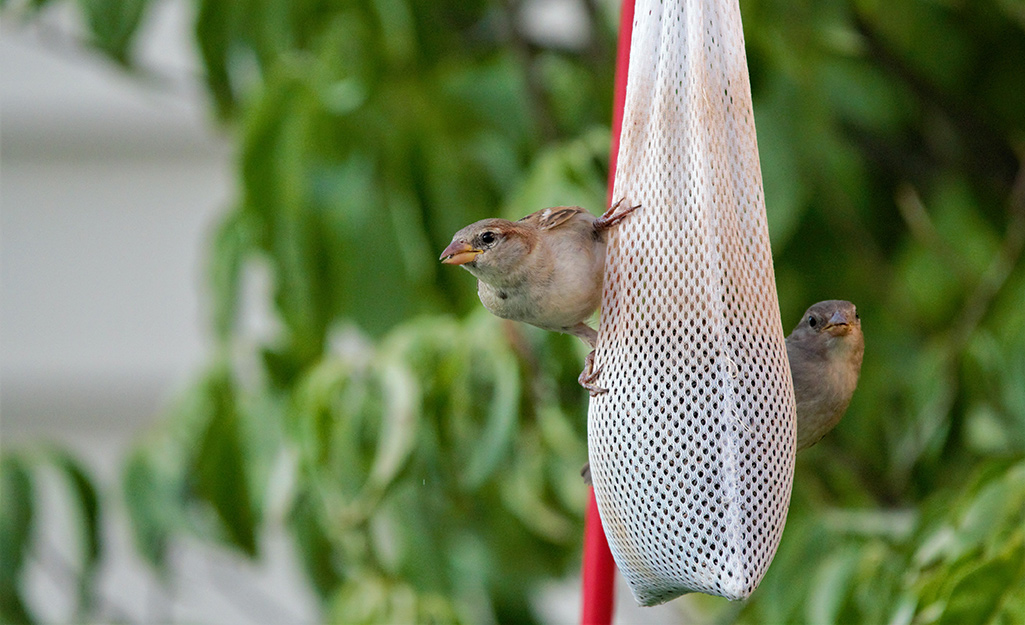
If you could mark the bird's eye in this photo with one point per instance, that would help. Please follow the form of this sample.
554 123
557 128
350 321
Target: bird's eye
856 315
487 238
811 321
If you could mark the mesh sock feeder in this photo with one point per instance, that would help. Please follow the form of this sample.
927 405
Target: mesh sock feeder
692 449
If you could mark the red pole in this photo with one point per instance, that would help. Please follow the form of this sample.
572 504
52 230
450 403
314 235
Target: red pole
626 24
599 569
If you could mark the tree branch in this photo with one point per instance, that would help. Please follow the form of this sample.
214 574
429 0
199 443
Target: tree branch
993 280
911 208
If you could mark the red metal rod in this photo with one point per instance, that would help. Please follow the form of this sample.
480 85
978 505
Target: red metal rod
599 572
599 569
626 24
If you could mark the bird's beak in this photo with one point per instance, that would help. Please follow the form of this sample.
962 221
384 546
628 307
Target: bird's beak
459 253
838 324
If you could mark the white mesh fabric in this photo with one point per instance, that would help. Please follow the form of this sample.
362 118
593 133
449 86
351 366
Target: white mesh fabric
692 450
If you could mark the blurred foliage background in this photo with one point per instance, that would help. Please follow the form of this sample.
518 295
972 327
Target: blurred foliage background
425 456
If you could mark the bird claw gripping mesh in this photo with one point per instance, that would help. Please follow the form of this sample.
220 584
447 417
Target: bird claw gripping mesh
692 449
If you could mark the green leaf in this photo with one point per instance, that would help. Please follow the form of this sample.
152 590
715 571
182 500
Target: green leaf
87 508
315 549
980 596
113 24
16 516
523 494
35 6
372 599
397 435
216 23
503 409
232 242
151 498
219 465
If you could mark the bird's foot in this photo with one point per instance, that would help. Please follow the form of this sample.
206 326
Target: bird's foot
586 473
589 376
614 215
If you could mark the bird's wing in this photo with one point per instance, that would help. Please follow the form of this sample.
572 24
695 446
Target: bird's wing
548 218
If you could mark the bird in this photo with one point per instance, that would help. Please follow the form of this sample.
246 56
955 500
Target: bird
545 269
825 351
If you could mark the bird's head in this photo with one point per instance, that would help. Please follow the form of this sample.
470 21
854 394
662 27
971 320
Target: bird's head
490 249
833 322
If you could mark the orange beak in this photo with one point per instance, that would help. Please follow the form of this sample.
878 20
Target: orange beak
459 253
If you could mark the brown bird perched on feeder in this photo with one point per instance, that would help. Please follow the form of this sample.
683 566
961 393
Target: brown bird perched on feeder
825 352
545 269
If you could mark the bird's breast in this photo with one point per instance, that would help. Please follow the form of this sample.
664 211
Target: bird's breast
559 288
507 302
